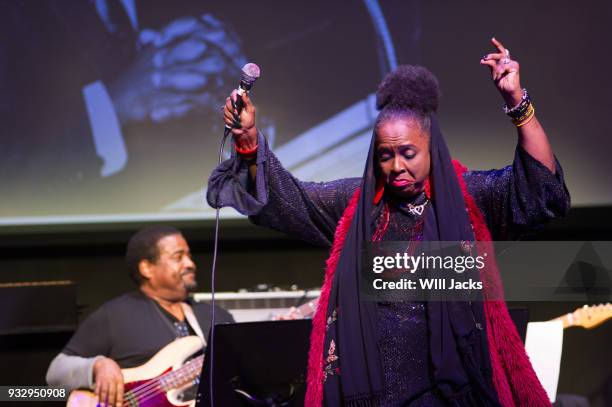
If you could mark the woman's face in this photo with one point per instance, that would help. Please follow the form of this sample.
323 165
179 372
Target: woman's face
402 154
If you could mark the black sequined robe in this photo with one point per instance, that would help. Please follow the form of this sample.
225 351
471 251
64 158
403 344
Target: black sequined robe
514 200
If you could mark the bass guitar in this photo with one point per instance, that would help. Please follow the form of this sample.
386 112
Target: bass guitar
159 382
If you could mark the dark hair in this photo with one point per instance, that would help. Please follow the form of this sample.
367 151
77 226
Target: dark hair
143 246
408 92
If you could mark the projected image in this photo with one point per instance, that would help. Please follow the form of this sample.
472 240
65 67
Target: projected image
111 108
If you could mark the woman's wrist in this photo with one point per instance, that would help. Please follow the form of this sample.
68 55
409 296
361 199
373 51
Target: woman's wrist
246 145
247 140
521 112
513 99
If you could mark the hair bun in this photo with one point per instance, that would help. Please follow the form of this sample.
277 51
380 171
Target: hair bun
409 87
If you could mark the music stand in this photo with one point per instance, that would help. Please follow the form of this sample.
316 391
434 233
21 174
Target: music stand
257 364
520 317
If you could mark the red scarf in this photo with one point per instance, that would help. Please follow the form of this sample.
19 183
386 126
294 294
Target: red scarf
513 376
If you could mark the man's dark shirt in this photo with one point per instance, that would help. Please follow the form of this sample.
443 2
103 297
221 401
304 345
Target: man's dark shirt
132 328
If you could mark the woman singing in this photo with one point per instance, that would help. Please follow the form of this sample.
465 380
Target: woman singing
436 353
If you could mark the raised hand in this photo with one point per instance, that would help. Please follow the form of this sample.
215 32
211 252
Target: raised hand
505 73
243 125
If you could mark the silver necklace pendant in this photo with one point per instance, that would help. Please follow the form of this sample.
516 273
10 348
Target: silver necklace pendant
417 210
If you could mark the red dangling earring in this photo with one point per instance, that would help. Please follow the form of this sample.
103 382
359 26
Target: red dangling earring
380 190
428 187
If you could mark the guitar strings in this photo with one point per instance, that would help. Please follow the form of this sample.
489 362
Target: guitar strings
139 399
149 389
152 388
151 393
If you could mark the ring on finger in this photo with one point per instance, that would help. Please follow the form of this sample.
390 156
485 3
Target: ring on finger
505 61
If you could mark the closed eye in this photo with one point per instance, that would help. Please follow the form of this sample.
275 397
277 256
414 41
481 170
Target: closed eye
408 152
384 155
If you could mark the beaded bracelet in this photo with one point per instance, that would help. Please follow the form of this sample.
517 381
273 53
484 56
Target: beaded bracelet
522 113
519 109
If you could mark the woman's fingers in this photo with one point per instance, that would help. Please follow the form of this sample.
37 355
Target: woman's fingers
490 63
495 56
233 124
229 109
510 67
498 45
231 119
502 57
498 70
228 117
243 123
500 63
248 105
504 72
234 97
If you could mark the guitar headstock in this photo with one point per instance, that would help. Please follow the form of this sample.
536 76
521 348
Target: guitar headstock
588 316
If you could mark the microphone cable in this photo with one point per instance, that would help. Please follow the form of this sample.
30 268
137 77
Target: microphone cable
211 338
250 73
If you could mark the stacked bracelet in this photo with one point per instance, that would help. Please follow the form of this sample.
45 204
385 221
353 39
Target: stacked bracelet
526 118
247 153
522 113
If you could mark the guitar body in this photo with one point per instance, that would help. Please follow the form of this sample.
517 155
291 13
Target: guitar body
169 359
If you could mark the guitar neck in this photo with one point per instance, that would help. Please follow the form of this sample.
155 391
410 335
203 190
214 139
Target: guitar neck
183 376
588 316
566 320
308 309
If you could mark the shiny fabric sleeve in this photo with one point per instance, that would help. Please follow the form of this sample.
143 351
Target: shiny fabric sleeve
277 200
519 198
